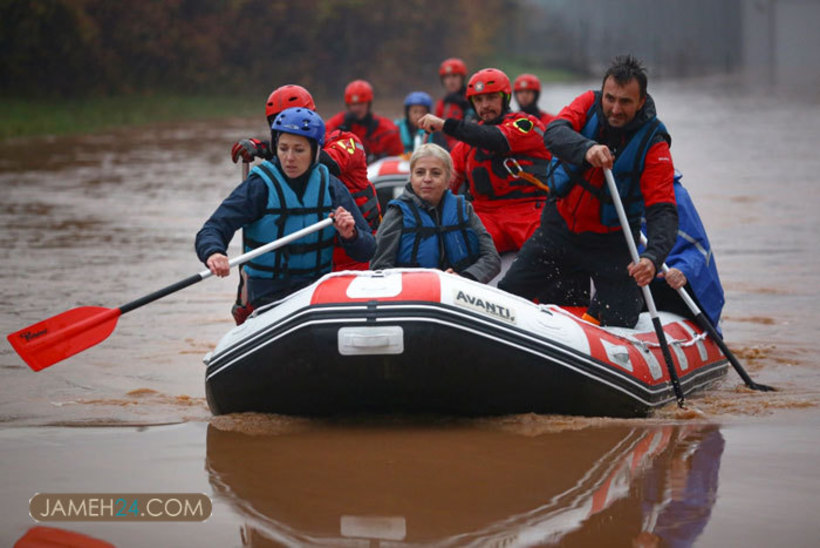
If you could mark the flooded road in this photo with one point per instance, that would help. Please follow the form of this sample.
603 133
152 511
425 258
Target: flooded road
102 220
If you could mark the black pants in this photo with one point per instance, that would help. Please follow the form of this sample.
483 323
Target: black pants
555 266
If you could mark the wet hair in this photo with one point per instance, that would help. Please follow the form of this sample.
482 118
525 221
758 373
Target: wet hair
624 69
432 149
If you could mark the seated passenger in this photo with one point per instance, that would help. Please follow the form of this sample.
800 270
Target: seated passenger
429 226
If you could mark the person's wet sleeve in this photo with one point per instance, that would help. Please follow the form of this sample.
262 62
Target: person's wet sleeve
477 135
243 206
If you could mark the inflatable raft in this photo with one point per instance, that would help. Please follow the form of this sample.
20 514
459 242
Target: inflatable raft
424 341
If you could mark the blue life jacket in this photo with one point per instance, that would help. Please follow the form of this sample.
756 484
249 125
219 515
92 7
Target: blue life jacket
692 255
422 237
311 255
627 170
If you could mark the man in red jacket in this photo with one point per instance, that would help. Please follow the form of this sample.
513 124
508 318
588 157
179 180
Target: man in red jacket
378 134
502 159
580 236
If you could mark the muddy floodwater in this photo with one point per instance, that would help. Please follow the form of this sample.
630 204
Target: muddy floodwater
102 220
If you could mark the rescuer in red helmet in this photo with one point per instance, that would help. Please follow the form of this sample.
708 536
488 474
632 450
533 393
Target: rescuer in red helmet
527 91
502 159
454 104
378 134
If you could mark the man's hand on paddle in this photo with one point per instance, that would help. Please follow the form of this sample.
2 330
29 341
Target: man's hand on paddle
599 156
643 272
675 278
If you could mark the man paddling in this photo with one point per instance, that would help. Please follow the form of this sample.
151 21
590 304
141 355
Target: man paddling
580 235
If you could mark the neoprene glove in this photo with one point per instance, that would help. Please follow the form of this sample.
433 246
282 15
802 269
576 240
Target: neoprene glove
248 149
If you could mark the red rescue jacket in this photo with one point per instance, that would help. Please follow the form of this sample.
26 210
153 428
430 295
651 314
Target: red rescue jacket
348 152
378 134
488 173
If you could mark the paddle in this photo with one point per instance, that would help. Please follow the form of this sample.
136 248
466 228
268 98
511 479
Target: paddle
707 326
50 341
647 295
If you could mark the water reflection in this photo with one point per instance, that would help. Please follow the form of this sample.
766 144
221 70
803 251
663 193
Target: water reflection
448 485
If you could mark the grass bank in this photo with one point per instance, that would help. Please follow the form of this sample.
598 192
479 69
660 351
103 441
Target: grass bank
22 117
29 117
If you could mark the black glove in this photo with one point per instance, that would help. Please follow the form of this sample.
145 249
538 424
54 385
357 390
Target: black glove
248 149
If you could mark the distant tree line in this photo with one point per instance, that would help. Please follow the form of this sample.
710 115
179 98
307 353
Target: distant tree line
76 48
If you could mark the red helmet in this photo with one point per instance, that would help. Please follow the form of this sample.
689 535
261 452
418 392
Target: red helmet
358 91
489 80
288 96
453 65
527 82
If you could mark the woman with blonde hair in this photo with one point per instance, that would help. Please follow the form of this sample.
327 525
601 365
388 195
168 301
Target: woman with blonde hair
428 226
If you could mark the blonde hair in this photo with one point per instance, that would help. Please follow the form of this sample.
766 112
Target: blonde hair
432 149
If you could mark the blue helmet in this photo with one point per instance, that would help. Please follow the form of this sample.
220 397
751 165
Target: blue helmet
418 98
300 121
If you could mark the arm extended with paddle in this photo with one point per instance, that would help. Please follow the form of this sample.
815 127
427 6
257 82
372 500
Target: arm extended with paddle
707 326
647 295
59 337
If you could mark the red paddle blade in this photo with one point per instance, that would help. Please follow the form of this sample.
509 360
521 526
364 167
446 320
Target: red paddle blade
55 339
42 537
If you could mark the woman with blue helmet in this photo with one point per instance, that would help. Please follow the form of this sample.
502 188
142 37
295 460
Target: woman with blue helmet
279 197
416 105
